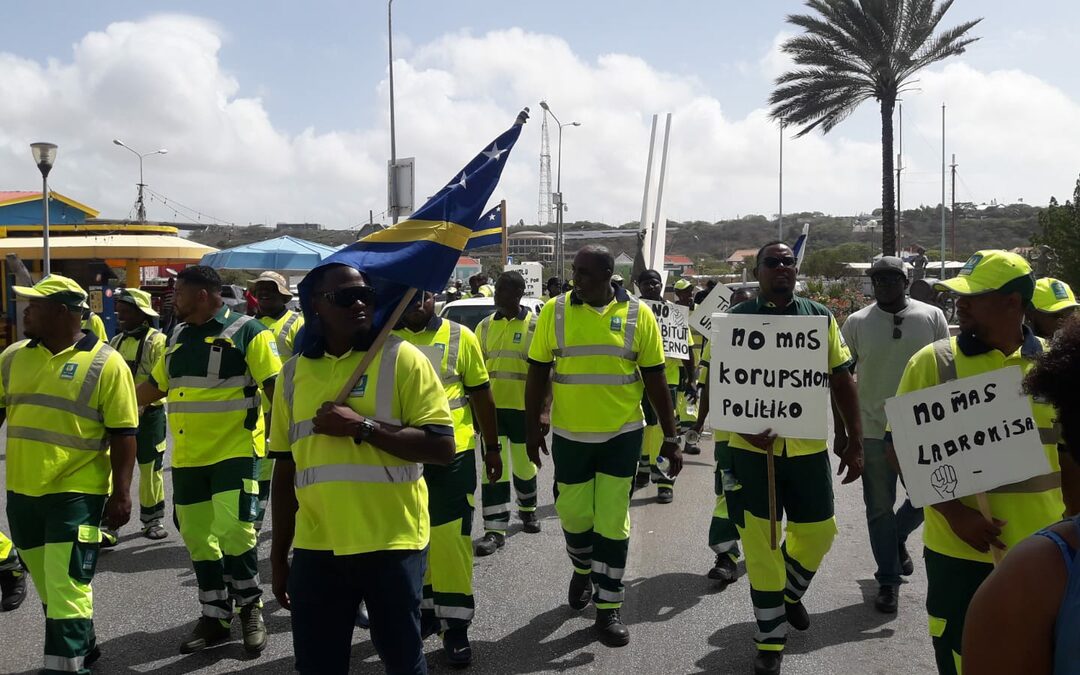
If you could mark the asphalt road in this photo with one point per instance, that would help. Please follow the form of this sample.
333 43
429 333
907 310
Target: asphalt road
680 621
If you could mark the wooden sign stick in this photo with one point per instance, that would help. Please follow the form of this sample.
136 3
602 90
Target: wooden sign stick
375 346
771 470
984 508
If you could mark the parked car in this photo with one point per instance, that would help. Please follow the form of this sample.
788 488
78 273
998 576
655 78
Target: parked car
471 311
233 296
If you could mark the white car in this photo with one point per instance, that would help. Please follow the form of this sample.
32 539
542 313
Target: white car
471 311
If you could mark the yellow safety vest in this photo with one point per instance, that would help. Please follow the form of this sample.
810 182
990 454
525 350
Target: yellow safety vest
505 343
140 354
61 409
354 497
284 329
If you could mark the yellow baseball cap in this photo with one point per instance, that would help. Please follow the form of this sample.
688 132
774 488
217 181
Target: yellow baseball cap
137 297
56 288
1052 296
985 272
682 284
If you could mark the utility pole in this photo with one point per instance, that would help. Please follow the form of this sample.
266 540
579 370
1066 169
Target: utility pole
899 168
393 137
953 226
780 223
942 248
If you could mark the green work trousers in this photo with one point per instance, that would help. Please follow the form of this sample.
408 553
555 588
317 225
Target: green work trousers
448 590
150 455
495 496
950 585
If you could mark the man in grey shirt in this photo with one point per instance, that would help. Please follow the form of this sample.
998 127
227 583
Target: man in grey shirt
882 338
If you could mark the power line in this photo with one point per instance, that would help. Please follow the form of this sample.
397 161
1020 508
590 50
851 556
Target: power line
198 215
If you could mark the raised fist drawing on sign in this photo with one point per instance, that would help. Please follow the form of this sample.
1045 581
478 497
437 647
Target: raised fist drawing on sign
944 481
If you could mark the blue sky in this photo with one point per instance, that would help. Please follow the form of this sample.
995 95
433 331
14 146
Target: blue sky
285 103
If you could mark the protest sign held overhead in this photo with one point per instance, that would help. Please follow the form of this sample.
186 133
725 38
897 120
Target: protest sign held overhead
718 300
674 327
770 372
965 437
533 272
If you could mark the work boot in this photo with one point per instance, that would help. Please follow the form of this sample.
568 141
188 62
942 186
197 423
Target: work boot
491 542
691 450
429 626
797 616
363 620
580 591
665 495
109 537
530 523
154 530
92 657
610 629
251 623
641 481
457 647
724 570
12 588
207 633
907 566
767 662
887 599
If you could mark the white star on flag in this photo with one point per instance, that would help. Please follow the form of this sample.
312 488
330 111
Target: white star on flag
461 183
495 152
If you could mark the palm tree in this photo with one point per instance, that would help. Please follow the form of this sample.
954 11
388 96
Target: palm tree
854 50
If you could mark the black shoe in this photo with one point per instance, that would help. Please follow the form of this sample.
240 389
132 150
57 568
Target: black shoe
665 495
767 662
641 481
724 570
580 591
610 629
797 617
362 618
491 542
109 538
907 566
428 627
691 450
253 628
530 523
12 588
457 647
92 657
887 599
208 632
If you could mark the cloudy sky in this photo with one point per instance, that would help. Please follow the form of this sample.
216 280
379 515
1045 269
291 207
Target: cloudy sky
278 111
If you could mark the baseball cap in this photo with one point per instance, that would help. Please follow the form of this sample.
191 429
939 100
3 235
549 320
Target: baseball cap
985 272
137 297
56 288
887 263
1052 296
274 278
682 284
616 277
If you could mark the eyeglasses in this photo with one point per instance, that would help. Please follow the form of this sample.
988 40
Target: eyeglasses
347 297
772 263
896 332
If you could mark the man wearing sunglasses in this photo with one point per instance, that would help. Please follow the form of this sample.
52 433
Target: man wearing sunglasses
804 492
882 337
448 589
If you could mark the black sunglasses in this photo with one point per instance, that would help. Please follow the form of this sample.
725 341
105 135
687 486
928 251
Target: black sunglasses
896 332
347 297
772 263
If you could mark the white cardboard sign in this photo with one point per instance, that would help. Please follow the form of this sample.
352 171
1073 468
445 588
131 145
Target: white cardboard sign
534 277
770 372
965 437
718 300
674 328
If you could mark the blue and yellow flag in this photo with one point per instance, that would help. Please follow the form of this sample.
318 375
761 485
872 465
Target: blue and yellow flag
489 231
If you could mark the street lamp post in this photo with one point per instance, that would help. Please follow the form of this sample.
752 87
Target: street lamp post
44 157
560 254
140 206
393 138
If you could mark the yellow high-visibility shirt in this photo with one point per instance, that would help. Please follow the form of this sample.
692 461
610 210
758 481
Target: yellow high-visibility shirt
141 349
95 325
1026 507
597 352
505 342
354 497
284 328
455 352
61 410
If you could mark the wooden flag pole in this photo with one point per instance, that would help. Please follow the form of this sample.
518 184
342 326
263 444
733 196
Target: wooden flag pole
505 244
771 477
984 508
375 346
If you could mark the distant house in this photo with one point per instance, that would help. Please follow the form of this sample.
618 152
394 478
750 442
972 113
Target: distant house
466 267
679 265
624 265
23 207
741 256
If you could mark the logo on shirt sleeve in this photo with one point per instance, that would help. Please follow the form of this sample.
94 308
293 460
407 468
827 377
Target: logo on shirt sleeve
517 338
616 323
360 388
68 371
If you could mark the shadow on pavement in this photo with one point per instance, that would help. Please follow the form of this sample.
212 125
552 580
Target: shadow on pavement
149 557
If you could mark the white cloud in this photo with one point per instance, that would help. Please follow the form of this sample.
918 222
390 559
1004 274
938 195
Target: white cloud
160 82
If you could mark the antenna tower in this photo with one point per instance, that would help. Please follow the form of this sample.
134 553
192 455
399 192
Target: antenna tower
544 211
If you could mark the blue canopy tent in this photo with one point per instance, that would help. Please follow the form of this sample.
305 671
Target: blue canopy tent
285 254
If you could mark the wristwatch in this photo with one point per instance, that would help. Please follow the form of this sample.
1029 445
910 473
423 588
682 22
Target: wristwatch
488 449
367 427
671 439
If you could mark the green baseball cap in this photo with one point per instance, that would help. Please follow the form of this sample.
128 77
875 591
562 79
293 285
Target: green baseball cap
137 297
985 272
1052 296
56 288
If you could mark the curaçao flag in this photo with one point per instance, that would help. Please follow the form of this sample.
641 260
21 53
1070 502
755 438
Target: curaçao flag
489 231
421 251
